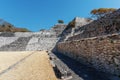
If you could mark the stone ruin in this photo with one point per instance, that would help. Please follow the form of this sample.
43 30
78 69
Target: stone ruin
30 41
95 43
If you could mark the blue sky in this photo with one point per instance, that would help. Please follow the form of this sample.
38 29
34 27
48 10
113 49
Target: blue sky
39 14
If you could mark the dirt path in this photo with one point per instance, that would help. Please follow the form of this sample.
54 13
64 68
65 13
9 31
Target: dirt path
26 66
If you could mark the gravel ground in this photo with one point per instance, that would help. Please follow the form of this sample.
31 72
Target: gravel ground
33 66
9 58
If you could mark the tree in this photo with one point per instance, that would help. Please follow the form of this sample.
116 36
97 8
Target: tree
72 23
60 21
42 29
98 13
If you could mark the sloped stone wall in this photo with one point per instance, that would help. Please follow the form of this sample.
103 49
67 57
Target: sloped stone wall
17 45
27 41
71 30
85 28
102 53
7 40
38 43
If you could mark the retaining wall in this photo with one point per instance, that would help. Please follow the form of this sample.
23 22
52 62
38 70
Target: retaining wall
102 53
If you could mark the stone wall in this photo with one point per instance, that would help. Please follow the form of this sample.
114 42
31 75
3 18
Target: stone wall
73 29
58 29
28 34
31 41
27 41
18 44
85 28
102 53
38 43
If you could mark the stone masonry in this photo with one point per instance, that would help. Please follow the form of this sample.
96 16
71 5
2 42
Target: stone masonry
94 42
31 41
102 53
27 41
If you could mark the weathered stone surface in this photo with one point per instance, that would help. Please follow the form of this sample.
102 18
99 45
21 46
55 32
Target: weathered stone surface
78 28
58 29
117 61
28 41
7 40
85 28
101 53
31 41
96 43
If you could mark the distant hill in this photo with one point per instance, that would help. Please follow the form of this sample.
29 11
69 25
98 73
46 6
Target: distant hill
7 27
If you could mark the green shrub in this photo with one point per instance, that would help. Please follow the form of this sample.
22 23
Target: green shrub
72 24
60 21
